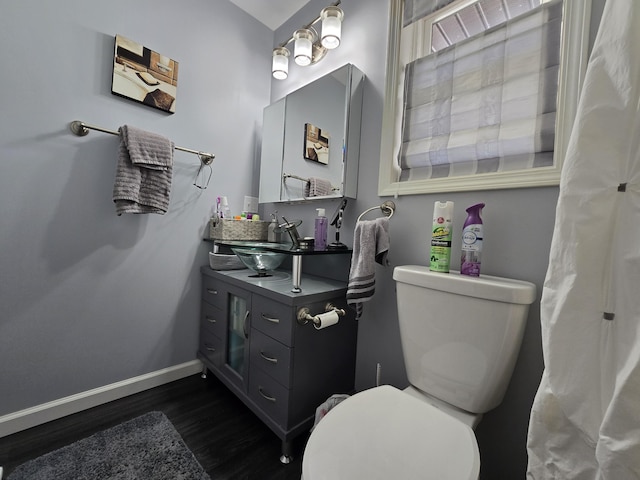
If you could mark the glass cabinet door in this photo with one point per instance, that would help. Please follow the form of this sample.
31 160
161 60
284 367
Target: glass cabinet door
237 333
236 357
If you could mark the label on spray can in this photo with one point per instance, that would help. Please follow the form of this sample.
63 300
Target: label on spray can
441 233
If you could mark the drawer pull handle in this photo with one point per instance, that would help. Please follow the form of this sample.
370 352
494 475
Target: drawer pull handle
267 358
266 397
212 291
211 320
270 319
244 324
209 348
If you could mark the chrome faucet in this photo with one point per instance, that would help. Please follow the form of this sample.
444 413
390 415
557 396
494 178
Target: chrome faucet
292 230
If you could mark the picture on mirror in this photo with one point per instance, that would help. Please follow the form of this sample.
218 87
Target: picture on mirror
143 75
316 144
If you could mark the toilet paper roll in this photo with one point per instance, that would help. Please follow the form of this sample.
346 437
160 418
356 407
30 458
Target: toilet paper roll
325 319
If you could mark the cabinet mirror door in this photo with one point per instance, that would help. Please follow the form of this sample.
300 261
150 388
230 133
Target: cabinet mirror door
313 133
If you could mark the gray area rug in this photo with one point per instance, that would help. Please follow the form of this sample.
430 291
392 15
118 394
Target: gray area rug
145 448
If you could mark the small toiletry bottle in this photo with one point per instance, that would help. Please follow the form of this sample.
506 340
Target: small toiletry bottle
226 211
441 231
472 241
320 237
273 235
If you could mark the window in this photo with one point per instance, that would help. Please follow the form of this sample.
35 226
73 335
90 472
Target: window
481 94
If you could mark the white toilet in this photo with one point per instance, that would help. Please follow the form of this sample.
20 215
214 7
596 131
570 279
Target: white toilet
460 338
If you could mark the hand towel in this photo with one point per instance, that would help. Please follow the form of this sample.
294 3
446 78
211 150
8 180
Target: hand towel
370 246
317 187
143 172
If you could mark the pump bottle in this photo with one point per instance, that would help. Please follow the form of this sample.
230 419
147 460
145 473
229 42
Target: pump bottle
274 234
320 237
472 241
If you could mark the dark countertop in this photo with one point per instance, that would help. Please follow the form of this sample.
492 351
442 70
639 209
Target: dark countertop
278 285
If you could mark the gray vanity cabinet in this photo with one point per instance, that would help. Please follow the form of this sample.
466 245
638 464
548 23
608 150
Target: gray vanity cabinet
250 338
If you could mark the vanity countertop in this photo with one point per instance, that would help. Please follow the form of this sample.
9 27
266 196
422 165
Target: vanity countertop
278 285
287 248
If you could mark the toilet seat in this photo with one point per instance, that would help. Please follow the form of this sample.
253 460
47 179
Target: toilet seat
383 433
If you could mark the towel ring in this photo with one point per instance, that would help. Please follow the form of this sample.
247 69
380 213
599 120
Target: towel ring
388 208
205 161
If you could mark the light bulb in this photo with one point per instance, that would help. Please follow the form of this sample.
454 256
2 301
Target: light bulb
303 46
280 63
331 27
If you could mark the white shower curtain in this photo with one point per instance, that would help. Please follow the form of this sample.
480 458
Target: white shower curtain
585 422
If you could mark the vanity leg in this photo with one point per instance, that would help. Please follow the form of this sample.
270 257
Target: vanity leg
286 456
204 372
296 273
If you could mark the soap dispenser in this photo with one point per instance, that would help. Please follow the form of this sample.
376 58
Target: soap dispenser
274 233
320 237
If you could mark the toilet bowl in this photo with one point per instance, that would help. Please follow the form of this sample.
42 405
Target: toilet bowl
386 433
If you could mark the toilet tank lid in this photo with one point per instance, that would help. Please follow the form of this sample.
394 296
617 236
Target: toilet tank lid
498 289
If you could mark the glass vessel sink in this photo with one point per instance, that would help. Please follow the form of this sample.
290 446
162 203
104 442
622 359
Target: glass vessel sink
247 251
259 260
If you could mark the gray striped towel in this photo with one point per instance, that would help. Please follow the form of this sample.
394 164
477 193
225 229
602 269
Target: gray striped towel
143 172
370 246
317 187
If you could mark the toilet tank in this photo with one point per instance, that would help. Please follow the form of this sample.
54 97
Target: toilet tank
461 335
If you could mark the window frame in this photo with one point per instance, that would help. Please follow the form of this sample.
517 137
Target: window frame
573 60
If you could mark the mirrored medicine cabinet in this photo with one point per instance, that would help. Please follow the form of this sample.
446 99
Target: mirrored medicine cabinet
313 134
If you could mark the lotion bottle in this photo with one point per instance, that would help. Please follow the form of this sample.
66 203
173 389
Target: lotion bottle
472 242
320 237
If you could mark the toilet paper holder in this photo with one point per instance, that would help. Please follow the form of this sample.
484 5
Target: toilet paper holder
305 317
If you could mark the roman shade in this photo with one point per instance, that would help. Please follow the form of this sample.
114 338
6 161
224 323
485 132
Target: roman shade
485 104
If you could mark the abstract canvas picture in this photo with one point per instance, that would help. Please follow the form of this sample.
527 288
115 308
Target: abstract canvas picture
143 75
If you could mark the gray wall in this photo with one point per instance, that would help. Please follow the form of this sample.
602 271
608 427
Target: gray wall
518 229
88 298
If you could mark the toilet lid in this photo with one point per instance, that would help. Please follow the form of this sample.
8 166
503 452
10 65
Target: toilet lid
383 433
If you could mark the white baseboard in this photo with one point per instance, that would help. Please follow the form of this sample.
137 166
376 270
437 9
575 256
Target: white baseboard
31 417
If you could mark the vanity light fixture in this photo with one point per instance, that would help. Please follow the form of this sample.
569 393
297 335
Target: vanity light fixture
280 65
303 51
331 27
309 47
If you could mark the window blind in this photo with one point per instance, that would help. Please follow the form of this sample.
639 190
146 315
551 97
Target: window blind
486 104
416 9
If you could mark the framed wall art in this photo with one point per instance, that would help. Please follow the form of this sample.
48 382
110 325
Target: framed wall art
144 76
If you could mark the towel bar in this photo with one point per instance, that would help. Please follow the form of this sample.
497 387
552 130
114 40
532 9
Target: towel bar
81 129
289 175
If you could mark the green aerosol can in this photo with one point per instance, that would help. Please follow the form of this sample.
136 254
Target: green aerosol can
441 234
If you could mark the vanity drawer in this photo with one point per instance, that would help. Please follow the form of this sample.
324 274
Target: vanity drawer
272 318
272 357
212 293
212 319
269 395
211 347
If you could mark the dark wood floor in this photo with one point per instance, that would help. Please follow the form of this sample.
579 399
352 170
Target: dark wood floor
228 440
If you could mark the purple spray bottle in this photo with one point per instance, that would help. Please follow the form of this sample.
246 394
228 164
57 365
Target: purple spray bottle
472 241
